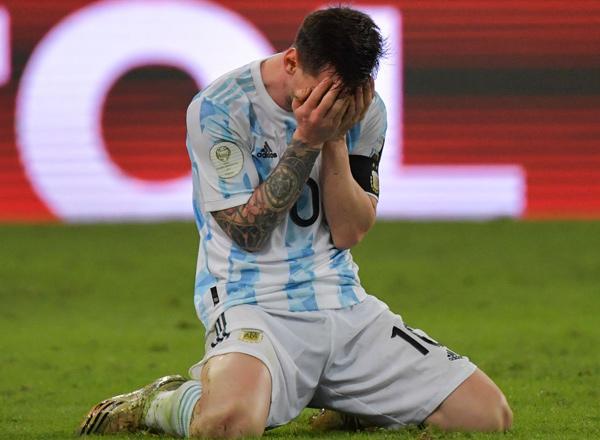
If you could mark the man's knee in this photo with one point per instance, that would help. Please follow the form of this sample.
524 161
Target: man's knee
227 421
492 412
506 415
232 409
476 405
495 414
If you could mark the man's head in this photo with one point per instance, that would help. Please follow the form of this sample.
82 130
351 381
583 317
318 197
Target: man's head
336 41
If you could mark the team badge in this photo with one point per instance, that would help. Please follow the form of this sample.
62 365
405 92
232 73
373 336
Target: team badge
375 182
227 159
251 336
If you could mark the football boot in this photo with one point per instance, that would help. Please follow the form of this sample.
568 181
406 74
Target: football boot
328 420
125 413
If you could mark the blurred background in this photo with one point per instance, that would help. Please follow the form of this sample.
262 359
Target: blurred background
494 105
493 114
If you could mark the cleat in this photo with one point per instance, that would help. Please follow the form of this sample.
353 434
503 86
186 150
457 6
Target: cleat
328 420
125 413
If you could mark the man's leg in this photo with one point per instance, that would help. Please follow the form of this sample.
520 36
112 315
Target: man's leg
476 405
391 375
232 400
236 396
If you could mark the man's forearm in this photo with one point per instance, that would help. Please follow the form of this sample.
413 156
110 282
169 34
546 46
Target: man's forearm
349 210
250 225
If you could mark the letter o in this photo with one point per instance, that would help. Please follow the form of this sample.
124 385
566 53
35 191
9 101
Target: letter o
59 103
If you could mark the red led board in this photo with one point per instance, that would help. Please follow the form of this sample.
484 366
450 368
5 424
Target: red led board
495 105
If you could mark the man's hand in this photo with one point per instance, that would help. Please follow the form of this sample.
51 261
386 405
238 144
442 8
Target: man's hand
322 116
357 108
319 113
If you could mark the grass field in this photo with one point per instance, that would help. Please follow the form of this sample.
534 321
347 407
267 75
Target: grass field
91 311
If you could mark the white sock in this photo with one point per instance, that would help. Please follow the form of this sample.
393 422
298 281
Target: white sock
171 411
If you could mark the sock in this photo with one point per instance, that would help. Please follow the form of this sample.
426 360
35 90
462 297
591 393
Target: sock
171 411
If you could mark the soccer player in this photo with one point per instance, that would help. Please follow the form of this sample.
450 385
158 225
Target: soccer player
285 155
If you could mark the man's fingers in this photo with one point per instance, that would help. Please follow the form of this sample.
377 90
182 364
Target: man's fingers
316 96
326 112
338 111
328 102
302 94
300 97
338 106
351 112
367 92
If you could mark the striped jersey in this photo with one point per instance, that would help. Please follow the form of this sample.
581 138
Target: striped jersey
236 134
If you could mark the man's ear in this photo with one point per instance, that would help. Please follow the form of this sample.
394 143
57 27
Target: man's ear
290 60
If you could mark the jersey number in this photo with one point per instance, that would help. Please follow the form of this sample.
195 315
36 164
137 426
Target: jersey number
314 192
397 331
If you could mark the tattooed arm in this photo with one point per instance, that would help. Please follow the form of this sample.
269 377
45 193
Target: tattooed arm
318 115
250 225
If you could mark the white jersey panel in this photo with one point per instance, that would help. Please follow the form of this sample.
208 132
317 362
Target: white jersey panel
368 137
236 136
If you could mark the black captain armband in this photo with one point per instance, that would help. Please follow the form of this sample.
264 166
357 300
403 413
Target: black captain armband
365 171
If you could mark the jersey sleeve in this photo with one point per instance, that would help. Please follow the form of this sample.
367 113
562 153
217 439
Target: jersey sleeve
365 145
219 146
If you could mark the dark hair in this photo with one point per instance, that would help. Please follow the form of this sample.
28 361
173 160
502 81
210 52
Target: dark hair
342 38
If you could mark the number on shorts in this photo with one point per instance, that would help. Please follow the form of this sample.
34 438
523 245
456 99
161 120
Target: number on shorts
396 331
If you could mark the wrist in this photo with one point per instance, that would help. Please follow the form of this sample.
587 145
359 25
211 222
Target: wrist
339 142
299 139
336 148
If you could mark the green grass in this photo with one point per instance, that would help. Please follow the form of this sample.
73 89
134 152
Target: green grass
91 311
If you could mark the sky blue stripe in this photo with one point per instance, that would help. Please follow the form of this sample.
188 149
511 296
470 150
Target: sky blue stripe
181 410
230 98
204 279
247 182
235 88
352 137
186 407
223 90
207 109
248 88
242 280
256 128
220 89
290 128
245 76
347 278
188 411
299 289
224 189
245 82
263 167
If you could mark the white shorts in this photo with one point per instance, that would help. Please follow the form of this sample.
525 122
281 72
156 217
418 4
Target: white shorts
362 360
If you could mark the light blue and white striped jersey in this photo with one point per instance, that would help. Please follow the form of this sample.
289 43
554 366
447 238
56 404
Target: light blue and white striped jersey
236 135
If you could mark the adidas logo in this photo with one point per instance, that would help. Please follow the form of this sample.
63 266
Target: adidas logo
266 152
452 356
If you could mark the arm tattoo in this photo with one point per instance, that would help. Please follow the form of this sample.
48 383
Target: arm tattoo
250 225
